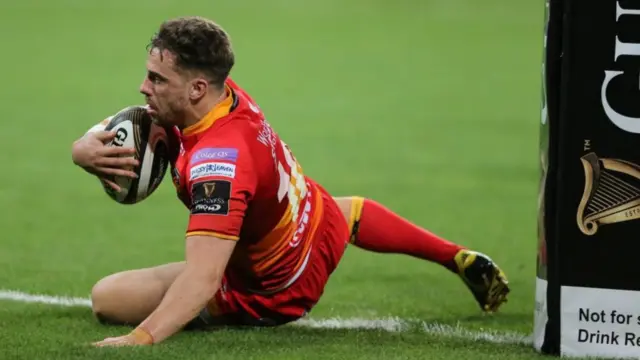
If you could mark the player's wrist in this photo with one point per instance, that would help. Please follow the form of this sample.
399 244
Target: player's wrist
142 336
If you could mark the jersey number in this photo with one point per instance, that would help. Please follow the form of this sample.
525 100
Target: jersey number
292 184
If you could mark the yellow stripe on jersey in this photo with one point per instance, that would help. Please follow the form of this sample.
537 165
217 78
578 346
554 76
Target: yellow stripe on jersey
211 233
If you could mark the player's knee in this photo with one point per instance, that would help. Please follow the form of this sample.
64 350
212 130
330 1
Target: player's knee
344 203
109 297
118 299
104 298
128 297
350 206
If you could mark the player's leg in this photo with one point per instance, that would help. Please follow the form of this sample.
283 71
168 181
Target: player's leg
234 305
374 227
128 297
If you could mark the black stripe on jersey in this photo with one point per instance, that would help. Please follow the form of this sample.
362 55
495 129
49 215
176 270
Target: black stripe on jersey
235 100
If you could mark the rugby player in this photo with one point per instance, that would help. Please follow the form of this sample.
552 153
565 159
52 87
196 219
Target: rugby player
263 238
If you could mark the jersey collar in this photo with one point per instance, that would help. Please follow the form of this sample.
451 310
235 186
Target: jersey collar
220 110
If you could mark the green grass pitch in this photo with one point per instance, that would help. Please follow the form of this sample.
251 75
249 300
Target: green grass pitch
431 107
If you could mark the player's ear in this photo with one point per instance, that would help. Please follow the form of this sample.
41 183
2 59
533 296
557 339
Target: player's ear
198 88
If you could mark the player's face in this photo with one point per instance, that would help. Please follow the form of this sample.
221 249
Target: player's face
165 89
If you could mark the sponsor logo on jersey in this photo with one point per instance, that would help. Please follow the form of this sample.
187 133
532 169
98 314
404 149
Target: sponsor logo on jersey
208 154
212 169
211 197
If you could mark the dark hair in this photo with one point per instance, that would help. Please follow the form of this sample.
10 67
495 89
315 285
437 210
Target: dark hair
198 44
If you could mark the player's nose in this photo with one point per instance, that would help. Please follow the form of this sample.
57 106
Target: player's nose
145 87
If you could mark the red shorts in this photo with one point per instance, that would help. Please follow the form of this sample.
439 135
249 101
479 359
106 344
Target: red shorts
238 307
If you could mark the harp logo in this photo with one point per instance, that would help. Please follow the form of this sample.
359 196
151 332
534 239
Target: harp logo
611 193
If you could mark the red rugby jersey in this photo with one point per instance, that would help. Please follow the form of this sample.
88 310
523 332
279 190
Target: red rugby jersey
242 183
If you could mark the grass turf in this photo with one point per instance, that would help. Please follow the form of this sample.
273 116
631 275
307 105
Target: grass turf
429 107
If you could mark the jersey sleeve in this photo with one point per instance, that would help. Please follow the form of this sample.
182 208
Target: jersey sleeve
221 182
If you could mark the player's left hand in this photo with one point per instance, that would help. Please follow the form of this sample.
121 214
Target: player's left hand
133 339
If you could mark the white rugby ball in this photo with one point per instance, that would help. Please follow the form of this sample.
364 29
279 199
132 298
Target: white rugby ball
135 128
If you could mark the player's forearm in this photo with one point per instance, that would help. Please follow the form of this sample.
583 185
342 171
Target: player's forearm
184 300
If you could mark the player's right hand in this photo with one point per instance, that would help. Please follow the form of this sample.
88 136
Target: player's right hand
93 155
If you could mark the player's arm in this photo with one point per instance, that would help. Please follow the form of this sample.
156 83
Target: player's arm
220 190
206 258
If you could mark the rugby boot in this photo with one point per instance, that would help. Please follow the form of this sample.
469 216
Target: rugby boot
487 282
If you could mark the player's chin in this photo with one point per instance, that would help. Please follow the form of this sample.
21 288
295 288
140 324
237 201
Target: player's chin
158 118
163 122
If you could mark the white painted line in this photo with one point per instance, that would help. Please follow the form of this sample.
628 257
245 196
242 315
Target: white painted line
390 324
20 296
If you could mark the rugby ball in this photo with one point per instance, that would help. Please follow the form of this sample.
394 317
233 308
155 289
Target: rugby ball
135 128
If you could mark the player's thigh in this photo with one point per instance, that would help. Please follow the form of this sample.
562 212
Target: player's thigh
130 296
234 305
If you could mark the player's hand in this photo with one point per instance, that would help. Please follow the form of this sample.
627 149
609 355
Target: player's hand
126 340
91 153
131 339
